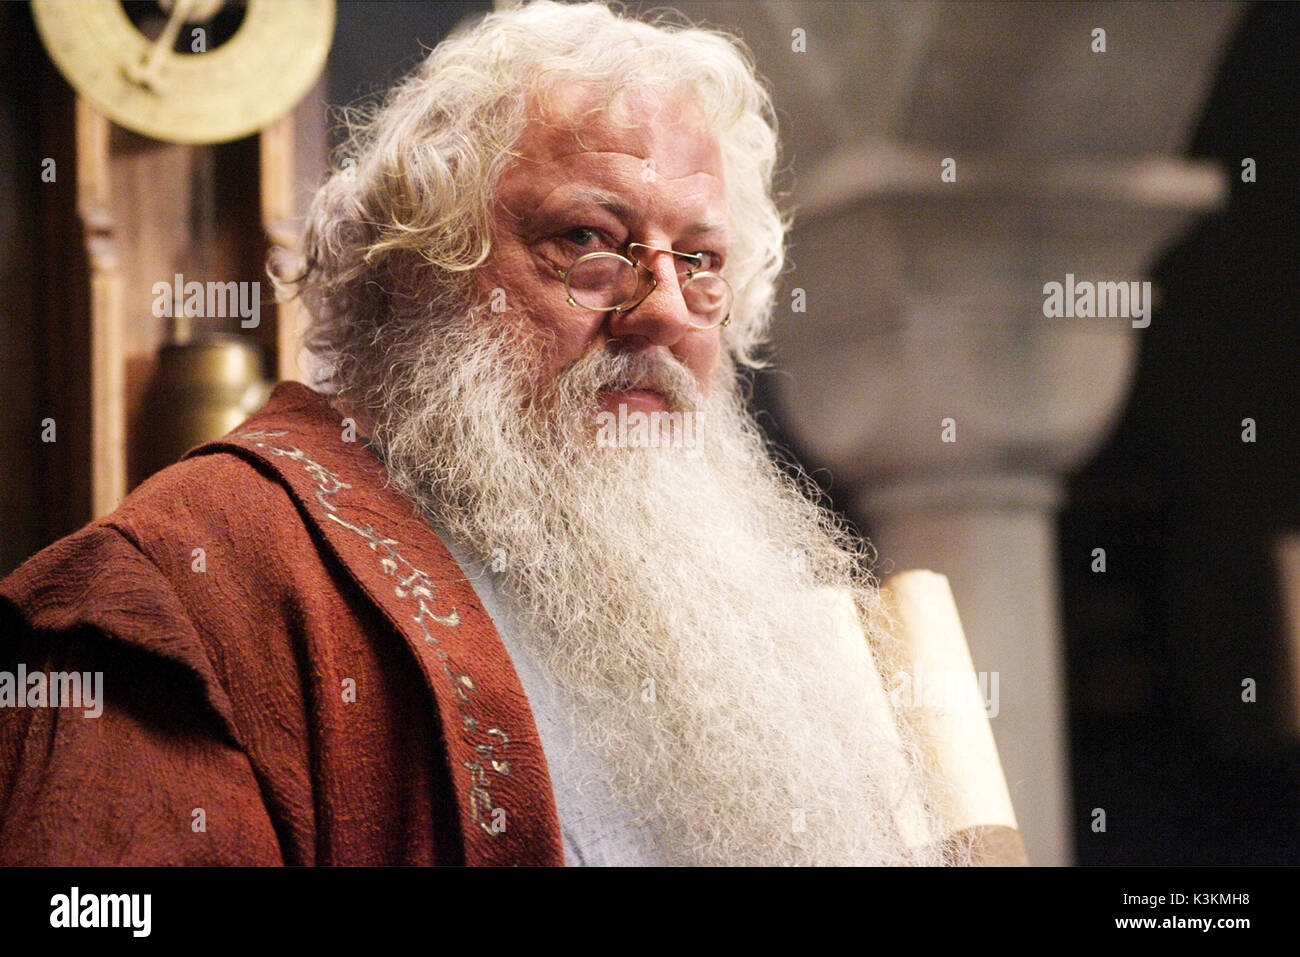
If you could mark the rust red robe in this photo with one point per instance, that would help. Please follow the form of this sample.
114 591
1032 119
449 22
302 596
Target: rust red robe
319 685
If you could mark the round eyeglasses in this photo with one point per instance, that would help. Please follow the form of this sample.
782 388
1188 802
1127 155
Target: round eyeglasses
609 282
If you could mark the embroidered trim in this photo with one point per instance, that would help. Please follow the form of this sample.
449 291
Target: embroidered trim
412 583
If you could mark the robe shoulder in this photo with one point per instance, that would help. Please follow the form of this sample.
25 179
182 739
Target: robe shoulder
170 573
151 771
224 634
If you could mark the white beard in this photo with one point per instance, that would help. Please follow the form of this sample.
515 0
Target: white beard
671 598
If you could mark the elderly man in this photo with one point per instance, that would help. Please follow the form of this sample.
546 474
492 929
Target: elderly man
520 583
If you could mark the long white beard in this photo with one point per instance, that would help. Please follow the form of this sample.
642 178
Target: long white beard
672 597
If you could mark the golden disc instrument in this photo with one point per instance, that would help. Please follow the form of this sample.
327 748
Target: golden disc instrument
201 95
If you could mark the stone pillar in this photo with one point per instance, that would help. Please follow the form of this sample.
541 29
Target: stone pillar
960 406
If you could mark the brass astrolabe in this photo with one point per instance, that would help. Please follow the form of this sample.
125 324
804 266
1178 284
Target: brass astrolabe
201 95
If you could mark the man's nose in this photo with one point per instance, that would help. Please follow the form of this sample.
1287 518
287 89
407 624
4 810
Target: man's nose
662 317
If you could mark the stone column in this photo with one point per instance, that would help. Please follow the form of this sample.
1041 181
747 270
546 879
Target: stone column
960 406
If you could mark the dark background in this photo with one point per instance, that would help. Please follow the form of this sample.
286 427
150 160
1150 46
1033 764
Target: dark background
1160 644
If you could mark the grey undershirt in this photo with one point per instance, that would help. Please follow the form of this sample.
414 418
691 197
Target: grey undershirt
597 830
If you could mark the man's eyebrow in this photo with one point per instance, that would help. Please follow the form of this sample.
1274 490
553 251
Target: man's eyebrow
612 204
606 201
707 226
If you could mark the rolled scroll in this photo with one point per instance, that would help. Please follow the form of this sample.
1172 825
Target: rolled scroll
949 708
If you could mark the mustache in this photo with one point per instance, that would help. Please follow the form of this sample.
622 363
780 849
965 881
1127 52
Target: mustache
619 370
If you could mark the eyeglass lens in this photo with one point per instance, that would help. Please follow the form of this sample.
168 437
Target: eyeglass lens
606 281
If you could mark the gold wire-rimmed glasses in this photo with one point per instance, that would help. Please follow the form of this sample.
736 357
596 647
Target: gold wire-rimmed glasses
609 282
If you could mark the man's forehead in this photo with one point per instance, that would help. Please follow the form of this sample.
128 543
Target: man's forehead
654 127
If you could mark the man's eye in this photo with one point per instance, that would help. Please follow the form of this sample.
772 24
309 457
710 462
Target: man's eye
583 236
709 260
